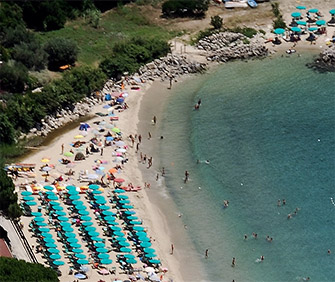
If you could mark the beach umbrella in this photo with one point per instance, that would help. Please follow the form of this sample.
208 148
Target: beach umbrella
99 245
53 203
61 213
79 203
301 22
58 262
69 235
93 186
121 150
320 22
87 223
125 250
127 206
46 168
44 229
129 212
116 130
36 213
68 229
74 197
49 188
98 239
107 106
53 250
119 191
112 222
83 212
332 11
73 192
106 261
80 256
149 250
80 276
40 224
145 244
49 240
296 14
68 154
123 243
116 228
154 261
38 219
77 251
124 197
141 233
26 193
46 235
86 218
98 197
131 261
31 203
144 239
101 250
49 193
120 143
45 160
90 228
313 10
78 136
119 239
71 187
52 197
133 222
93 233
129 256
75 245
150 255
103 256
118 234
58 208
72 240
296 29
80 208
55 256
107 213
65 224
51 245
104 207
124 202
110 218
131 217
96 192
82 261
119 180
101 201
301 7
109 138
92 176
63 218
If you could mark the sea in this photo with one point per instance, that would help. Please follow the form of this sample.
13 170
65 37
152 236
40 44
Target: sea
264 135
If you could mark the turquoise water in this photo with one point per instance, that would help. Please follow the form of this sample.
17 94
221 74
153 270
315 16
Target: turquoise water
267 128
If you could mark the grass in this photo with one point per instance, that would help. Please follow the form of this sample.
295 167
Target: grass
118 24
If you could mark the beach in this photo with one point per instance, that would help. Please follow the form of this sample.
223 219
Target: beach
160 214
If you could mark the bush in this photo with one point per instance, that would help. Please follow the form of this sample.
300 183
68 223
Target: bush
185 8
61 51
7 132
216 22
13 78
246 31
279 23
10 16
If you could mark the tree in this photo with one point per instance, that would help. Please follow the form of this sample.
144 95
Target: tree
61 51
12 269
216 22
7 132
13 78
10 16
185 8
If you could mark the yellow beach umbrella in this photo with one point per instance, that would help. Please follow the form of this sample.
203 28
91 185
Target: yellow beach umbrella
78 136
45 160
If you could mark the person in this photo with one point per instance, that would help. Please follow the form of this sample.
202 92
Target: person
171 82
233 263
245 236
157 176
102 151
186 176
199 102
137 147
163 171
172 249
154 119
262 258
140 138
284 202
329 252
62 149
196 107
207 162
278 203
206 253
149 135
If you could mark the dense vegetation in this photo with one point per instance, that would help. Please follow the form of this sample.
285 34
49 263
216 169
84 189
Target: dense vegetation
18 270
185 8
278 22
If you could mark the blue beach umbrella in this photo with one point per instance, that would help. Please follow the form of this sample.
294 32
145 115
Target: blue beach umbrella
51 245
44 229
106 261
313 10
90 228
58 208
69 235
61 213
301 23
127 207
150 255
101 250
332 11
296 14
138 228
110 218
81 208
145 244
31 203
129 256
63 218
75 245
118 234
83 212
131 261
36 213
107 213
97 239
109 138
119 239
78 203
86 218
130 212
52 197
96 192
82 261
72 240
301 7
77 251
87 223
48 187
53 250
68 229
99 245
49 240
116 228
53 203
40 224
119 191
26 193
149 250
124 202
125 250
65 224
46 235
131 217
38 219
80 256
101 201
28 198
107 106
123 197
93 187
93 233
133 222
104 207
58 262
73 192
296 29
71 187
320 22
154 261
123 243
55 256
74 197
103 256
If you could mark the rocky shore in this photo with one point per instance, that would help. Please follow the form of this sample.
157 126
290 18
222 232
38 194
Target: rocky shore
226 46
326 60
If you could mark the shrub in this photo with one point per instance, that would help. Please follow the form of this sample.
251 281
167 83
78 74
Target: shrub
13 78
61 51
216 22
185 8
7 132
279 23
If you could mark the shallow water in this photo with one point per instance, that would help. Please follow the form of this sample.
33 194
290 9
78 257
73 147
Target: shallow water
267 128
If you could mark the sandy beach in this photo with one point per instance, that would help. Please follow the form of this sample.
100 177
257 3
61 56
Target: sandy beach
159 214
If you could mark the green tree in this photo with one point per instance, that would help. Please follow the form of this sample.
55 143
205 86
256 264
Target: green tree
13 78
12 269
185 8
7 132
216 22
93 17
10 16
61 51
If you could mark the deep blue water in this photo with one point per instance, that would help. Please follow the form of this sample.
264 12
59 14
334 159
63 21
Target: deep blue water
267 127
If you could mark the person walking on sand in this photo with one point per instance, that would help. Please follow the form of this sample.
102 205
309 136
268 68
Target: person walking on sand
102 151
149 135
140 138
62 149
154 120
137 147
186 176
172 249
163 171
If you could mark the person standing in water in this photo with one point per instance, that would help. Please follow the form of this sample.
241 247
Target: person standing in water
186 176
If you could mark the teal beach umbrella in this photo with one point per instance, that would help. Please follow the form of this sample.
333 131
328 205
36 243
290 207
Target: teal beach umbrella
58 262
131 261
149 250
75 245
28 198
83 212
320 22
93 233
31 203
125 250
80 256
103 256
87 223
58 208
101 250
26 193
86 218
90 228
296 14
74 197
301 7
36 213
332 11
72 240
55 256
154 261
97 239
51 245
40 224
106 261
65 224
313 10
123 243
145 244
53 251
296 29
82 261
77 251
99 245
49 240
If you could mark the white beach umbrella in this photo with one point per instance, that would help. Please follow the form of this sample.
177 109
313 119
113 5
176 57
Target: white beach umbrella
121 150
93 176
120 143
